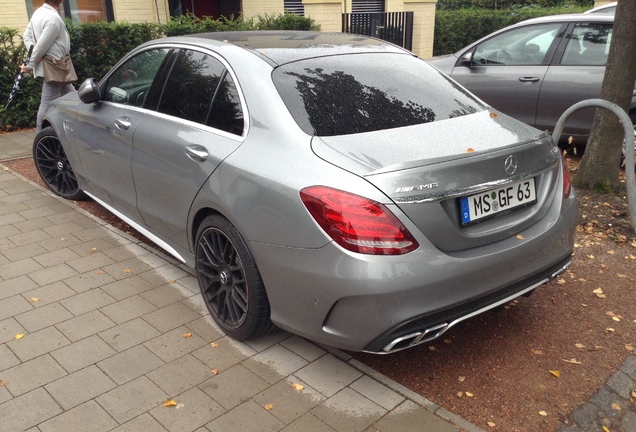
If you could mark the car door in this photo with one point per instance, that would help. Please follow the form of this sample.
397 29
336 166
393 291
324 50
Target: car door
576 74
104 131
198 123
508 70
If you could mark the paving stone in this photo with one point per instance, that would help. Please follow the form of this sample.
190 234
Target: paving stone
89 417
349 410
410 417
163 295
124 288
35 344
83 353
4 395
268 340
143 423
328 375
222 356
289 404
13 305
19 268
87 301
63 229
85 325
19 285
205 328
628 422
194 409
170 317
308 422
41 317
129 334
132 399
126 269
49 259
9 328
621 384
23 252
607 400
303 348
125 252
52 274
378 393
32 224
86 384
180 375
92 262
34 408
87 281
586 416
38 212
233 386
56 243
7 358
629 366
247 417
32 374
49 294
128 309
173 344
275 363
29 237
130 364
11 218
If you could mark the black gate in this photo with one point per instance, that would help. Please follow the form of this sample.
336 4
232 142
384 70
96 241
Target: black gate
394 27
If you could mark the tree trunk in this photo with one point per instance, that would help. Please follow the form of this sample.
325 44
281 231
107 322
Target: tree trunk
601 160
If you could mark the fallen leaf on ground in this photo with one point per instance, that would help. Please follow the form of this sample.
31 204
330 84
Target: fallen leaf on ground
491 424
269 407
127 270
215 371
599 293
606 429
520 237
579 345
460 394
609 329
616 406
35 299
461 379
629 347
187 335
214 344
169 403
543 413
572 361
556 373
298 387
19 336
469 394
2 383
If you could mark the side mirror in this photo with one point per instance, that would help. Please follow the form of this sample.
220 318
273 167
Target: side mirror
89 91
466 59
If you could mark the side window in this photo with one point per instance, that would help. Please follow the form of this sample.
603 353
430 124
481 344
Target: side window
130 83
191 86
226 113
588 45
523 46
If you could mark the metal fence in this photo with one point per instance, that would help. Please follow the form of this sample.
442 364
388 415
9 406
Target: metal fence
394 27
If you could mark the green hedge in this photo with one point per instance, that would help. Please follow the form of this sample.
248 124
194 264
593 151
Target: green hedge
454 29
96 48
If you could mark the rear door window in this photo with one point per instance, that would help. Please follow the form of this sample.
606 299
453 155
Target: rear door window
588 45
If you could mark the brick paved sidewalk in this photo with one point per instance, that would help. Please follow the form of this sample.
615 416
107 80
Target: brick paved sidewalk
113 329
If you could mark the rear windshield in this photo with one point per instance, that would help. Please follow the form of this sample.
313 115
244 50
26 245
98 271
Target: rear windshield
358 93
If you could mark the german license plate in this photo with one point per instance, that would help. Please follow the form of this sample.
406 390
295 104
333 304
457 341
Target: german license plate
493 202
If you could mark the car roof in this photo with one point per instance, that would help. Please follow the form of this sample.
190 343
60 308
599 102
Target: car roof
601 9
580 17
279 47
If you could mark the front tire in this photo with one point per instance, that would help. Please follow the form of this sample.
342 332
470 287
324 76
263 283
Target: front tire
54 167
229 280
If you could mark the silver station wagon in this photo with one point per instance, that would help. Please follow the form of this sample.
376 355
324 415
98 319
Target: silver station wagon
332 185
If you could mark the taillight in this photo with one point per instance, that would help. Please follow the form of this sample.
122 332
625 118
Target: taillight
567 185
356 223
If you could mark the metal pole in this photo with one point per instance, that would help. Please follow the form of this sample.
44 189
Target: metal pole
629 150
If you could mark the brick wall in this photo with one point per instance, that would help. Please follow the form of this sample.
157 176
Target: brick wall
253 8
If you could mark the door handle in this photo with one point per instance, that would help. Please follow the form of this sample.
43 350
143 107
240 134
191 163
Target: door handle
123 123
528 79
196 153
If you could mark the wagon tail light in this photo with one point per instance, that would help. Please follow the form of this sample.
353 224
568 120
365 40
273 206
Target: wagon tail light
567 185
357 224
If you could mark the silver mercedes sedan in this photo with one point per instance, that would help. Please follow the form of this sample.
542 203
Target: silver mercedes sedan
333 185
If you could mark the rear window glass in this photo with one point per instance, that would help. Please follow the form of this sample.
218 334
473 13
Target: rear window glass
358 93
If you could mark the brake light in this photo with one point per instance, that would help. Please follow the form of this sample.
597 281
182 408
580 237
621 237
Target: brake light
567 185
357 224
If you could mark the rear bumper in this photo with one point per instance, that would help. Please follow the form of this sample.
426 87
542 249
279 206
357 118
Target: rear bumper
384 303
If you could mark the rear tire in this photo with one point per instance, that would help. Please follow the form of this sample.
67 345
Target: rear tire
54 167
229 280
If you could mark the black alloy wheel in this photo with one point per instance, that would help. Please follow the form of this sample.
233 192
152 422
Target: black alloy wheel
229 280
54 167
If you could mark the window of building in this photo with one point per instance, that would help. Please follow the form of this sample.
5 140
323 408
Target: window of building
79 11
294 6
